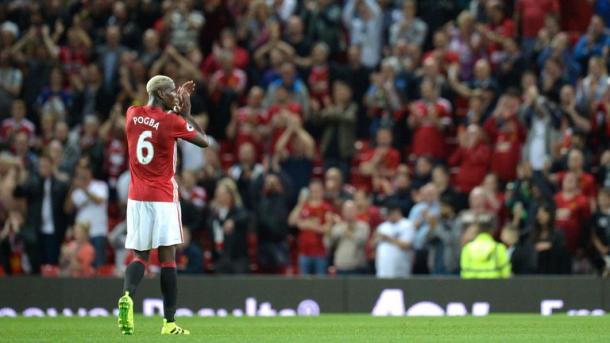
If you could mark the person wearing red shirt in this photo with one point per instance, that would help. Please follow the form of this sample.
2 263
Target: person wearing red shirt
441 53
529 16
191 192
499 28
75 53
227 79
153 211
429 118
319 76
227 42
382 161
115 150
585 181
309 216
572 212
17 122
250 124
506 134
77 256
281 112
472 158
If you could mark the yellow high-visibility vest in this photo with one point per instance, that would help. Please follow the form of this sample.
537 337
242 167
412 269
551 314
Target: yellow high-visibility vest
484 258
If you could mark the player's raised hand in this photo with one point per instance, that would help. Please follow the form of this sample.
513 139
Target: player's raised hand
184 103
188 87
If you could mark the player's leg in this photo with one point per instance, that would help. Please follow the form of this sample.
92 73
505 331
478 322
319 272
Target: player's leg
169 288
133 275
135 272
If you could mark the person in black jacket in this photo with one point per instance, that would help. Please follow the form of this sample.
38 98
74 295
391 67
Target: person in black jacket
552 255
45 225
229 226
272 209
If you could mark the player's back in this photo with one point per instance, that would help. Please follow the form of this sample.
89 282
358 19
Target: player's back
151 140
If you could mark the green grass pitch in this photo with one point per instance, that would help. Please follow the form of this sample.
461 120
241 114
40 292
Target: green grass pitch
326 328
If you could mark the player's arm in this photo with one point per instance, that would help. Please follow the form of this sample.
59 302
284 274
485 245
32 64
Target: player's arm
184 109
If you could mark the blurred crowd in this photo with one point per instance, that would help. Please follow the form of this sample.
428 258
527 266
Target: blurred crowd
350 136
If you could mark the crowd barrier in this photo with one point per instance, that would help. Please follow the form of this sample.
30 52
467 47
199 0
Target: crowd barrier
281 296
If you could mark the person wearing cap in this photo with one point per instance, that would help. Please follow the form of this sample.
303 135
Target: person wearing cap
394 241
484 258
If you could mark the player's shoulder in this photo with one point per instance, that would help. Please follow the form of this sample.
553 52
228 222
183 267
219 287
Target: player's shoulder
133 109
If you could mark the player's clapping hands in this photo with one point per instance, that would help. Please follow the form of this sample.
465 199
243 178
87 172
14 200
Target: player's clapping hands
184 92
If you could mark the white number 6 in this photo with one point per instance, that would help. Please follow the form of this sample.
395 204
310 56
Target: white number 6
143 144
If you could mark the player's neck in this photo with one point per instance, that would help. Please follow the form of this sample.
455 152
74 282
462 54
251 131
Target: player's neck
154 102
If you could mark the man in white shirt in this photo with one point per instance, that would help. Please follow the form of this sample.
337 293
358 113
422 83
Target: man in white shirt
394 237
89 198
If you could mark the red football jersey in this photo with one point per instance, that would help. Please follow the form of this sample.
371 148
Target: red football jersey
151 141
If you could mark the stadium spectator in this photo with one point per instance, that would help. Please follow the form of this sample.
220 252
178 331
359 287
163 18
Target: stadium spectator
472 157
228 225
443 241
323 21
400 190
339 135
586 181
190 255
345 238
447 194
423 215
477 201
272 196
250 124
295 151
12 80
543 135
549 243
520 250
87 199
600 230
430 118
78 256
381 162
409 26
193 200
309 216
591 90
382 99
46 220
506 135
12 244
245 171
17 122
529 17
537 87
591 43
363 21
394 239
335 190
572 210
483 257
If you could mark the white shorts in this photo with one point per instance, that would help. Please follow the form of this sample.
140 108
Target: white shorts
153 224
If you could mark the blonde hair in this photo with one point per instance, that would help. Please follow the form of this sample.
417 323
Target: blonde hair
231 187
85 225
159 82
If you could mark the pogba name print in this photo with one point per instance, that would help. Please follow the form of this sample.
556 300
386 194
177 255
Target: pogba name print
146 121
